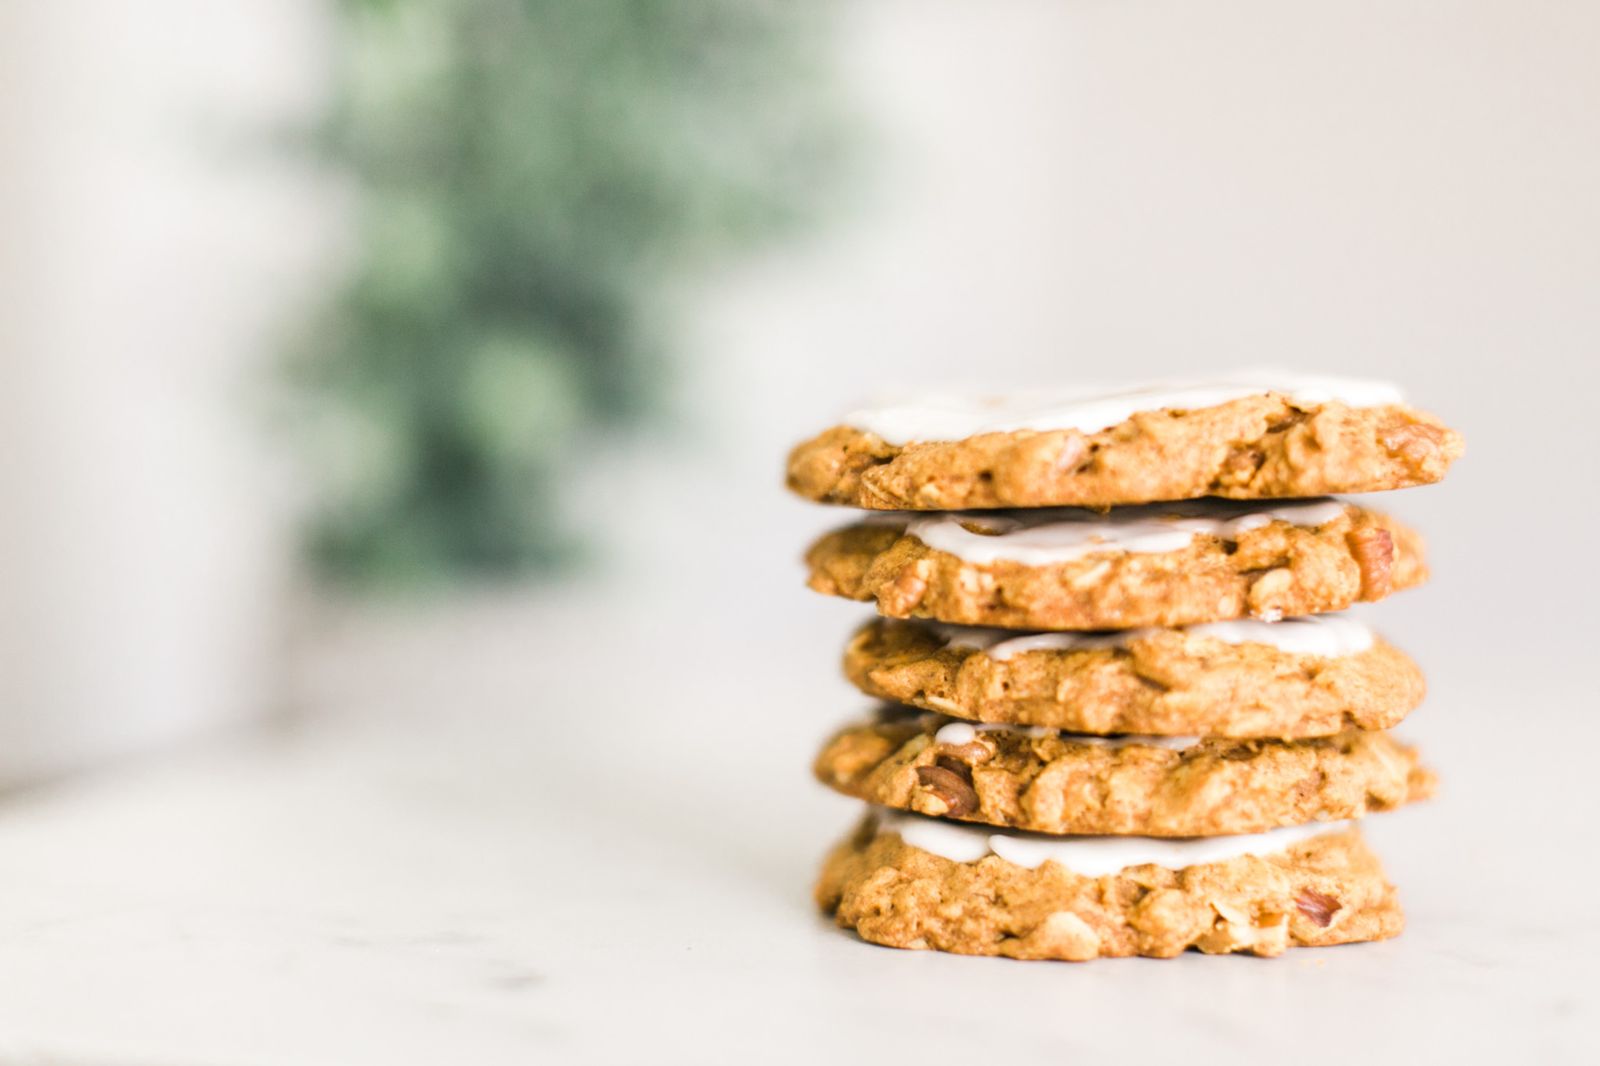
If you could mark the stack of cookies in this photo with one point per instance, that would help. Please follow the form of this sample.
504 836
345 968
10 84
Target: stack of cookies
1122 714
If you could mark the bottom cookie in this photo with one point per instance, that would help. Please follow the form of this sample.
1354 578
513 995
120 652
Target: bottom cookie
907 881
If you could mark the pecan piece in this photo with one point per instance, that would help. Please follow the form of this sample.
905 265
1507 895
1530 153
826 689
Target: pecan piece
1240 466
949 788
1317 906
1374 551
1415 442
955 765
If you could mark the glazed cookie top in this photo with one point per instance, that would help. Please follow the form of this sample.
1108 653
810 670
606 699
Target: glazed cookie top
920 883
1325 636
1250 435
1301 677
1091 408
1062 534
1089 856
1157 786
1163 565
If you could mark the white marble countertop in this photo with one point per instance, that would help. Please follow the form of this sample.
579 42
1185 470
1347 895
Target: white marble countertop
498 842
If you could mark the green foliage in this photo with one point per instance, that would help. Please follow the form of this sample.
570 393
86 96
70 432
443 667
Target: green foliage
528 175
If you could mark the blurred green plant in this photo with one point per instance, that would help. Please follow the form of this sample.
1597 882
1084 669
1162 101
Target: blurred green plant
530 176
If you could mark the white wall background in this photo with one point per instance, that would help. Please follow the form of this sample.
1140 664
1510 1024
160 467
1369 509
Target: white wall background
151 250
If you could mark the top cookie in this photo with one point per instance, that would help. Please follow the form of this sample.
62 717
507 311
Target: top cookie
1260 435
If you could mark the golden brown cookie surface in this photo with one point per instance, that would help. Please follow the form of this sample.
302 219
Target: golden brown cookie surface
1157 681
1204 561
1328 889
1048 782
1264 446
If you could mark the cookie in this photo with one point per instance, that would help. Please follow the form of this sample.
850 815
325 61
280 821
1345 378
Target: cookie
1044 781
911 882
1161 565
1255 436
1303 677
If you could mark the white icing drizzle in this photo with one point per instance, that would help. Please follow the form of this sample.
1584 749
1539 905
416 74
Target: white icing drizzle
1330 636
1091 856
1060 534
959 733
1005 649
1091 408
